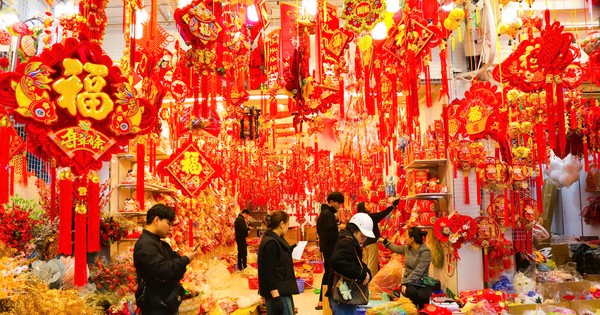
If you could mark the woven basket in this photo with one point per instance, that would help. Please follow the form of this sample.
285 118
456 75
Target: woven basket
190 306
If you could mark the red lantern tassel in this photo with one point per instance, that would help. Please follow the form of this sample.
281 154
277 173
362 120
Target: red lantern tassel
4 159
191 233
486 267
25 172
80 277
560 110
316 157
586 154
538 191
53 210
466 186
478 187
341 96
11 180
65 223
272 107
141 154
428 87
93 217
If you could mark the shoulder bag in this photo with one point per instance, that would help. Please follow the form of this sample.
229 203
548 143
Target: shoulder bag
350 291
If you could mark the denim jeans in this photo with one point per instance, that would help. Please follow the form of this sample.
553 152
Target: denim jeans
288 306
342 309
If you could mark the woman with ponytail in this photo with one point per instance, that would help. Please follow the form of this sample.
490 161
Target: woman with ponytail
276 278
417 258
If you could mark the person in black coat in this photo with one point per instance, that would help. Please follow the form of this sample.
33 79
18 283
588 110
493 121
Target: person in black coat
347 258
327 230
159 269
241 232
276 278
370 248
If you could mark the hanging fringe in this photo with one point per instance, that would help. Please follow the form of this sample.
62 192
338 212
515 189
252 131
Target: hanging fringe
466 187
4 158
478 187
25 171
53 206
93 231
140 155
191 233
65 223
80 277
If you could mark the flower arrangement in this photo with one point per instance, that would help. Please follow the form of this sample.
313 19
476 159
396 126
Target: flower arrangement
18 222
116 276
112 230
455 230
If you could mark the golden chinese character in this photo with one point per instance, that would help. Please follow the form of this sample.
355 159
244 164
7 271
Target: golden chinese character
191 164
93 102
69 139
98 143
69 88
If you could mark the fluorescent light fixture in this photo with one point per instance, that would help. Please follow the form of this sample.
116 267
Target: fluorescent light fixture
393 6
252 14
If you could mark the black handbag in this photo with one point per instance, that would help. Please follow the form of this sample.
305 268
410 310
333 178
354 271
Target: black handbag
150 300
172 302
354 292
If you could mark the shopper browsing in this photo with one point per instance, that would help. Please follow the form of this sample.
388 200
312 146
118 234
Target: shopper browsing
346 259
159 269
276 278
327 230
370 248
241 233
417 258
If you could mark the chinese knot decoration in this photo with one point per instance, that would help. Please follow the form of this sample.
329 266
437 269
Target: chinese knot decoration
189 169
363 15
78 109
455 230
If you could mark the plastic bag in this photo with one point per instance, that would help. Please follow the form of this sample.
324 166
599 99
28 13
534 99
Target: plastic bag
218 276
388 277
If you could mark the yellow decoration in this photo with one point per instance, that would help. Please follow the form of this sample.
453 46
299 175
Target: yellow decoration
365 43
94 178
190 164
454 18
92 102
81 208
30 93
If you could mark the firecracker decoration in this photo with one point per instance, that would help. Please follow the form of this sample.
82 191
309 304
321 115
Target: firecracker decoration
362 16
189 169
93 25
78 109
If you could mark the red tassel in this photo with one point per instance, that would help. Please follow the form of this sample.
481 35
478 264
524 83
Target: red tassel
191 233
538 191
93 217
272 107
140 154
80 276
586 154
341 96
4 159
551 124
506 208
478 187
466 183
24 172
53 209
316 157
11 180
65 223
560 110
428 87
486 267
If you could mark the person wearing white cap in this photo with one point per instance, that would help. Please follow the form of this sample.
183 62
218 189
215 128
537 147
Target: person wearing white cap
347 257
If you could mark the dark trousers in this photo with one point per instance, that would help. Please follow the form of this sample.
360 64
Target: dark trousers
242 256
418 295
327 274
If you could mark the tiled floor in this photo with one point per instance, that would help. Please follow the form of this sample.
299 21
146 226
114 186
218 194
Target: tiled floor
305 302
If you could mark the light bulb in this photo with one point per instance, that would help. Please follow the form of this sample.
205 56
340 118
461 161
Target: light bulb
310 7
393 6
252 14
141 16
379 32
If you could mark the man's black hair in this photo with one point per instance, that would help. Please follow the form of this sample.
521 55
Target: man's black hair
335 196
161 211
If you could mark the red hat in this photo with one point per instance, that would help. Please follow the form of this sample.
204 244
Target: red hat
435 310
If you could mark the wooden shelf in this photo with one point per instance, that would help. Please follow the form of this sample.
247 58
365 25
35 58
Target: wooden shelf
128 239
148 187
131 213
426 163
428 196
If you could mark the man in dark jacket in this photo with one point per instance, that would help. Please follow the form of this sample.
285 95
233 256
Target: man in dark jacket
241 232
159 269
327 230
370 247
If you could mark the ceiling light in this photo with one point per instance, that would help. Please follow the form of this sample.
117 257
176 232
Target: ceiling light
310 7
393 6
183 3
379 32
252 14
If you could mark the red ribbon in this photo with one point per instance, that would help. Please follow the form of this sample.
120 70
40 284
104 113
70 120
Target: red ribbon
80 277
140 156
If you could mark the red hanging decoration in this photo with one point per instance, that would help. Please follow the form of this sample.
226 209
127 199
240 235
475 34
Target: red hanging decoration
191 233
93 230
25 171
4 158
65 222
80 277
466 187
53 210
140 155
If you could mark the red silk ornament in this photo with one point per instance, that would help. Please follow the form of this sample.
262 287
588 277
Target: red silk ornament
25 171
53 182
141 155
93 213
80 277
65 222
191 233
4 158
466 187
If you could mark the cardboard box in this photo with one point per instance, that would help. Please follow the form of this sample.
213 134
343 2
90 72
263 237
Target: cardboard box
293 235
560 253
552 290
520 309
583 306
310 233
